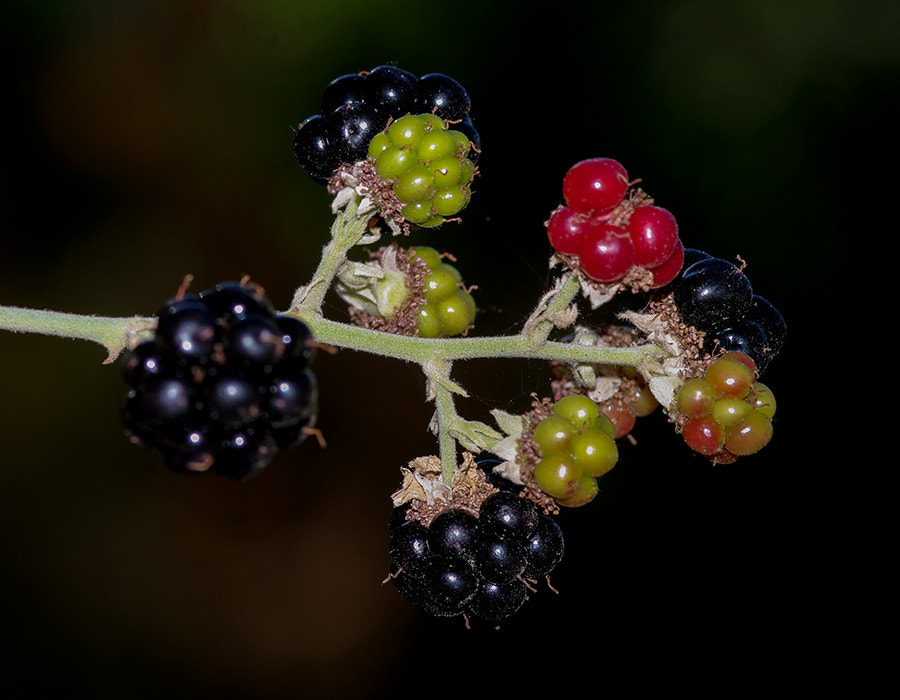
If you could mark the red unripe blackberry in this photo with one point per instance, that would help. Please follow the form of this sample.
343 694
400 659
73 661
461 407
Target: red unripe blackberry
595 185
606 253
654 233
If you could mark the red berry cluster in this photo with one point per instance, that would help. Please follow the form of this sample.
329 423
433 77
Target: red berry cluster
606 231
727 413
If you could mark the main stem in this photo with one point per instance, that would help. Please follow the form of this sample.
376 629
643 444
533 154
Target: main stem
435 355
112 333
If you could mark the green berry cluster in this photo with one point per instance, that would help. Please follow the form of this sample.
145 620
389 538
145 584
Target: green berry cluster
449 308
577 446
726 413
427 164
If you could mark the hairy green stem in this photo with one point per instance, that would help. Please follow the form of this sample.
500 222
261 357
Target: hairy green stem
543 320
421 350
112 333
346 232
438 373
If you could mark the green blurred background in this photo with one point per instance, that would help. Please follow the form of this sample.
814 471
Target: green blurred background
145 140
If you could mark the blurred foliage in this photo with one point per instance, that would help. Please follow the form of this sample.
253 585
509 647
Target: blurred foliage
150 139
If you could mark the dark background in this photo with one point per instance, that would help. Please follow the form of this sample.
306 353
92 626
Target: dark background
148 140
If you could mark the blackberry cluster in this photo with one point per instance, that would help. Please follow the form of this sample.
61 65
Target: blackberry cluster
715 296
481 567
355 107
223 384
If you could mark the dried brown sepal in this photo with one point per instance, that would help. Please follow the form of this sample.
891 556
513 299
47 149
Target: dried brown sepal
690 339
377 194
428 496
620 215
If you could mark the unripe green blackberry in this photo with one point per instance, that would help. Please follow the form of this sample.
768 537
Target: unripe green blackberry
449 309
428 167
576 446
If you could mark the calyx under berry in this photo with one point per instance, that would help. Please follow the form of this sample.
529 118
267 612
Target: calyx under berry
411 291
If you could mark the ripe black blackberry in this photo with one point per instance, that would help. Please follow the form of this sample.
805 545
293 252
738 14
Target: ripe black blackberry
223 384
482 567
357 106
715 296
441 95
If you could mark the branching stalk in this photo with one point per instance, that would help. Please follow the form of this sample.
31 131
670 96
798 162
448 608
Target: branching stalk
438 373
435 355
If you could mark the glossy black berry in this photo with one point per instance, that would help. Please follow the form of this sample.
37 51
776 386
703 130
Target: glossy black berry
299 344
692 255
770 320
357 106
408 547
391 90
447 585
233 401
711 293
244 454
742 336
254 342
499 559
494 602
186 331
509 515
142 363
350 128
440 94
293 395
482 567
343 90
454 533
189 450
410 587
232 301
313 149
162 401
545 548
